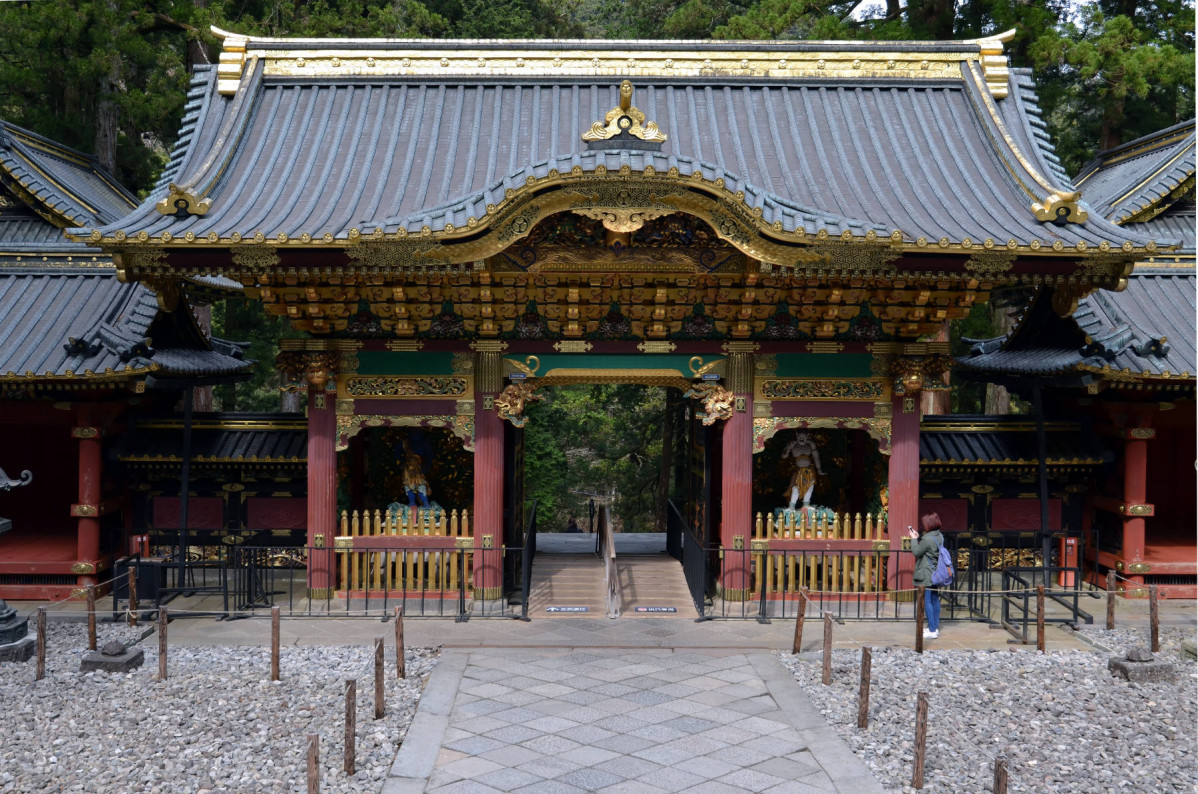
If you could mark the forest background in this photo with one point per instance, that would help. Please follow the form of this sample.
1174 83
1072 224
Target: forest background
109 77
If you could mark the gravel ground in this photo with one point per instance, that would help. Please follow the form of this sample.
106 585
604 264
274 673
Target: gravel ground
217 724
1062 721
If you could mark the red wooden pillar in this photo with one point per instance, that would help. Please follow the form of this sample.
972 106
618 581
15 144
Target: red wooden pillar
1135 503
488 473
322 491
736 486
903 484
87 510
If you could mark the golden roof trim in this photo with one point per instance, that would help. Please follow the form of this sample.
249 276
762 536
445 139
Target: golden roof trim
294 57
713 190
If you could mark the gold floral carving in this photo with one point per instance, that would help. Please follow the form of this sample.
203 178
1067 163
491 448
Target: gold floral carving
622 208
394 255
988 263
389 386
655 347
807 389
462 364
83 568
350 426
510 403
765 365
878 428
255 257
855 257
573 346
717 402
625 119
84 511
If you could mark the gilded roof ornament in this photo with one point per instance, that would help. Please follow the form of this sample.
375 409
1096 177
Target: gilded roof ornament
623 123
1060 208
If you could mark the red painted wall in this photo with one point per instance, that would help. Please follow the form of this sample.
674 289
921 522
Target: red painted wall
954 513
49 452
1171 479
203 512
264 512
1023 515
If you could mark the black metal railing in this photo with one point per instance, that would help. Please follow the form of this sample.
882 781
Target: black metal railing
241 581
1019 586
697 572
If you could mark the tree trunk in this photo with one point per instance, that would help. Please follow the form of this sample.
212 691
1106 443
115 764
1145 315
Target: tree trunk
937 402
667 459
202 395
931 19
292 402
998 400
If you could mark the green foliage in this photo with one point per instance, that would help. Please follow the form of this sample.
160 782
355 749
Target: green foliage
241 319
594 439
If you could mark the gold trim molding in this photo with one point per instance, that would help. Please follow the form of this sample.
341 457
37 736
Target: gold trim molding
765 428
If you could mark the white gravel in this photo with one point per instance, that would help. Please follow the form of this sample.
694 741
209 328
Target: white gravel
218 724
1062 721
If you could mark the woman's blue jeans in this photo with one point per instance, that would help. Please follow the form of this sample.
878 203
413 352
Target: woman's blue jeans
931 608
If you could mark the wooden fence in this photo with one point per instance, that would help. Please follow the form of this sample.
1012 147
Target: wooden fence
837 553
413 551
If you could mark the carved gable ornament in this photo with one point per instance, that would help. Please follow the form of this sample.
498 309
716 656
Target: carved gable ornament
624 127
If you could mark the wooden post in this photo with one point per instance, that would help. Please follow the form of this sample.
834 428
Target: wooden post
378 678
1154 619
41 643
1000 776
132 597
1040 618
313 763
798 641
91 617
162 619
401 670
921 738
919 620
274 643
827 648
1110 600
863 697
351 728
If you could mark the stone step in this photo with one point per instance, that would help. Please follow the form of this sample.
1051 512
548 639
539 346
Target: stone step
576 580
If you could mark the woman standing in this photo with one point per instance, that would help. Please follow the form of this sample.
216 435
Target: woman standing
926 548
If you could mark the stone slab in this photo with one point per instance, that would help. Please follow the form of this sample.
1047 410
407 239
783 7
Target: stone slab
131 659
1156 670
20 651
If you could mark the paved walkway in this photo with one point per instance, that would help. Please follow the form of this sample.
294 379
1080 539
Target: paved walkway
558 721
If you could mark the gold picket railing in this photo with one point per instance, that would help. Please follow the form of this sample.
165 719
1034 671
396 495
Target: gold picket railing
409 564
848 554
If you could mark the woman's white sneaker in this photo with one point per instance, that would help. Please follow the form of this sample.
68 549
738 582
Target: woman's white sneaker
930 635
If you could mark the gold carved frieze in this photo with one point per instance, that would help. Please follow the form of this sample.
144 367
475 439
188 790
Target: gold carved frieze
350 426
765 428
404 345
812 389
462 364
573 346
656 347
765 365
406 387
622 208
991 264
255 257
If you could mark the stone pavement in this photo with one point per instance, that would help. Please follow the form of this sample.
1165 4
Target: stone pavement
557 721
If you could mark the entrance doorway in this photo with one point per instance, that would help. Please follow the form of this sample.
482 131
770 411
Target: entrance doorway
622 450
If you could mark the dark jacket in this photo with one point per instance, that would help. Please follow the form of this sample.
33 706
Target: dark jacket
927 552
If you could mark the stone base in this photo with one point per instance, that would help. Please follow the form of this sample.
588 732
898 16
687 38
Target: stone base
1155 670
131 659
20 651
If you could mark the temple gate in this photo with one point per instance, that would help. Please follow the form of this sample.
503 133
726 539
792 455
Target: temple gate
456 225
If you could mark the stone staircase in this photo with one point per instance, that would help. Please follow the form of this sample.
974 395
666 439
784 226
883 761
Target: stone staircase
576 580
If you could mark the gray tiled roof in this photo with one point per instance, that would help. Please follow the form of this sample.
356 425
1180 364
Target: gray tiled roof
327 155
66 183
223 437
1127 179
994 440
63 323
1146 328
